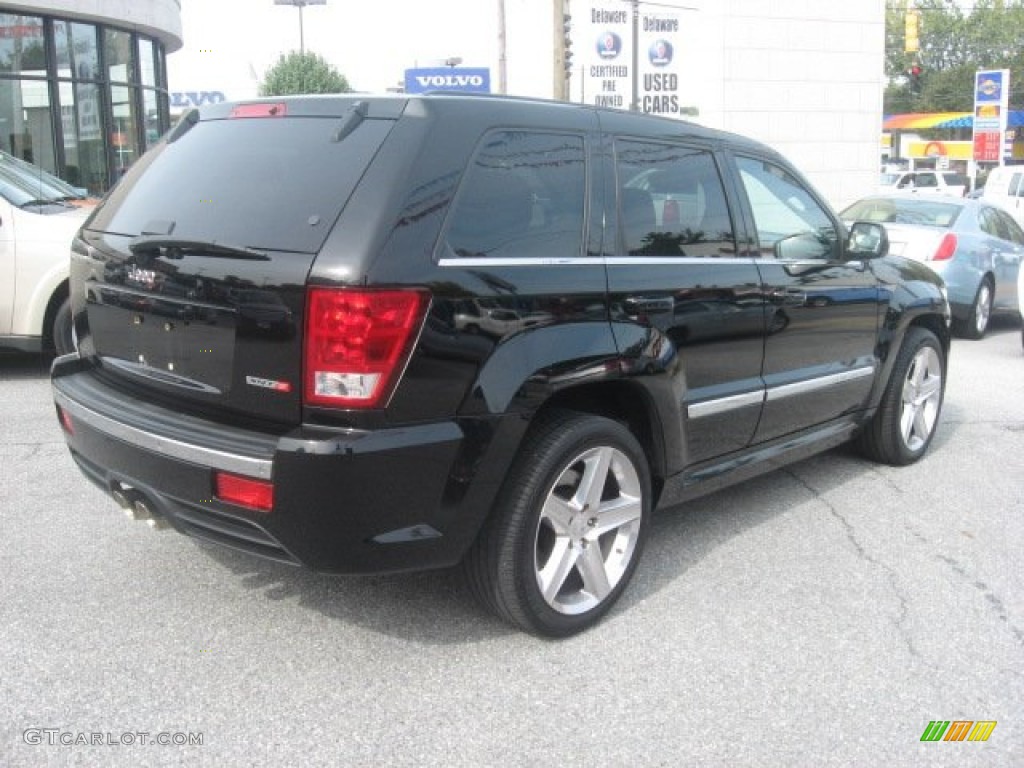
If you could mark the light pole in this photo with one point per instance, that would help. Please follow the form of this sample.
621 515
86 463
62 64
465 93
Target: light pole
300 4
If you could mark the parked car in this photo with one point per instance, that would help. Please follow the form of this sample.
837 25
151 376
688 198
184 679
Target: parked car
383 434
926 182
38 221
43 183
976 248
1005 187
1020 299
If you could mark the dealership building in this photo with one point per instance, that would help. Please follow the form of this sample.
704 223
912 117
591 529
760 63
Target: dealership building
83 83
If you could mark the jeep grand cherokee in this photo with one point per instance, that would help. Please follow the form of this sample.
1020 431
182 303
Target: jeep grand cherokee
273 354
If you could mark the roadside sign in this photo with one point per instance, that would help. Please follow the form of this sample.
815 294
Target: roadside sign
464 79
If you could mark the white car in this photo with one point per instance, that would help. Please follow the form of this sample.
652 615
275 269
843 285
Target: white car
1005 186
36 229
924 182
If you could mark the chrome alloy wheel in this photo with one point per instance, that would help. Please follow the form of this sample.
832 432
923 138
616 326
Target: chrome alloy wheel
922 397
588 530
982 309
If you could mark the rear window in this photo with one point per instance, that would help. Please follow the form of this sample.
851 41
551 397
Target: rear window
893 210
273 183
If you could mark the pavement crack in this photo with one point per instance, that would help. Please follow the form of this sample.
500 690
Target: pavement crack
996 604
903 613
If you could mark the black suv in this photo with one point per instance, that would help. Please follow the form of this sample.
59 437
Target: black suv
369 334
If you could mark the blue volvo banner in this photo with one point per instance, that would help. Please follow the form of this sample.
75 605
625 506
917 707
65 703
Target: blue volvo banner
465 79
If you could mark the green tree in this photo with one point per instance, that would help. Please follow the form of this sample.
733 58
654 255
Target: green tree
302 73
956 41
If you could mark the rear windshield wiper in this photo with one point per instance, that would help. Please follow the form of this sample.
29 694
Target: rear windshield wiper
177 248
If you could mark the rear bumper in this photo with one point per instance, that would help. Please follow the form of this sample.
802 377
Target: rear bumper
386 500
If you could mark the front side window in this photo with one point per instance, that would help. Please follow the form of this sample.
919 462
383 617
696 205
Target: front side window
790 222
671 201
522 196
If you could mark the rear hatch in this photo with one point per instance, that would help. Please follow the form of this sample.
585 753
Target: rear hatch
191 275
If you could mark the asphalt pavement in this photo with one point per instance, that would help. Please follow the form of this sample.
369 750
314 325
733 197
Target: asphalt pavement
821 615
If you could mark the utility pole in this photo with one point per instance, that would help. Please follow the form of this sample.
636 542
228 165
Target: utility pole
562 50
635 65
502 57
300 4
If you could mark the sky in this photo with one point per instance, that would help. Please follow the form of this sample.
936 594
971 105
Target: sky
229 44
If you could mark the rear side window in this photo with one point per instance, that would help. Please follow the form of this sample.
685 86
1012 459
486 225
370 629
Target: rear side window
272 183
671 201
523 196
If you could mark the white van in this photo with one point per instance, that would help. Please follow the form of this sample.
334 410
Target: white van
1005 186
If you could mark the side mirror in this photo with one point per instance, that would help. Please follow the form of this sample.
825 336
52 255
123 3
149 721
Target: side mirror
867 240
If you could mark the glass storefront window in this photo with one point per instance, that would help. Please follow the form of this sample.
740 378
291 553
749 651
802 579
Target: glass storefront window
77 52
68 114
147 69
85 159
117 47
26 122
124 129
151 109
22 44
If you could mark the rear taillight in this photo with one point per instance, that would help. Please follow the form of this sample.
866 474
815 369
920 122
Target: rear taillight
244 491
357 343
946 249
65 421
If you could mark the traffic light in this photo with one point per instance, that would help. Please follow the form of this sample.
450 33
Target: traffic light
915 77
912 31
567 44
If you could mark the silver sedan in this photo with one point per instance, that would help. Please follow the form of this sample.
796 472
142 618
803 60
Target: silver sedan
975 247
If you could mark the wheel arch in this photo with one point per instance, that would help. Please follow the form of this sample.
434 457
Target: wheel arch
60 293
627 403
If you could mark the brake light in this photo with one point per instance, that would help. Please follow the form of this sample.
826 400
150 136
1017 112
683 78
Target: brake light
261 109
65 421
946 248
357 343
244 491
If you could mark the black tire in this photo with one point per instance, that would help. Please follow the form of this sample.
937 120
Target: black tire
63 334
976 324
588 563
903 427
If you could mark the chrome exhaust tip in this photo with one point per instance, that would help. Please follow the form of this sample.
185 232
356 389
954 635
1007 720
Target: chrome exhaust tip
122 495
136 507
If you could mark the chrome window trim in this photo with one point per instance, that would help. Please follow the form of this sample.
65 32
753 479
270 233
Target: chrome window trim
175 449
610 261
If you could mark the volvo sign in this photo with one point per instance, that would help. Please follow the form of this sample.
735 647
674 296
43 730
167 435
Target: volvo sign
464 79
